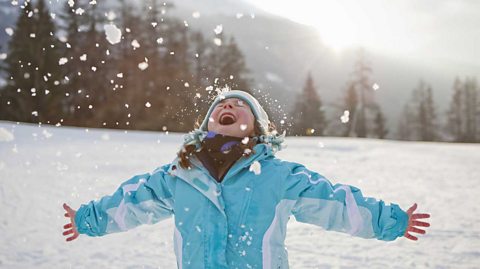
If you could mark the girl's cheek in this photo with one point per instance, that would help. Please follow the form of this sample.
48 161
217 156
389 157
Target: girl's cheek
214 114
246 118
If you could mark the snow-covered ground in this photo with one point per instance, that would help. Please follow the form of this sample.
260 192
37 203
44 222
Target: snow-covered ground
42 167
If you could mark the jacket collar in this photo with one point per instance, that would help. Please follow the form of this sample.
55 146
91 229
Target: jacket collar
199 177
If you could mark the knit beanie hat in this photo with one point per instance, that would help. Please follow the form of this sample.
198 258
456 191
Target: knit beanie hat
273 138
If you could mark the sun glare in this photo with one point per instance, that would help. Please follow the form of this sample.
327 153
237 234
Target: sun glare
333 19
335 26
336 32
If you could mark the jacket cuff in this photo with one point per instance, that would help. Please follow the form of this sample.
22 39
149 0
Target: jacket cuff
397 225
81 221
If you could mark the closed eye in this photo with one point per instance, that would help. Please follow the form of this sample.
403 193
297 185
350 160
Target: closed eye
239 103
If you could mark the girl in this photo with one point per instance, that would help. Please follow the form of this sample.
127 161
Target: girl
232 198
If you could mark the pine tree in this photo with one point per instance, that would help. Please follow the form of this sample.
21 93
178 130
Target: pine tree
351 103
471 112
308 111
85 69
380 128
420 114
455 115
430 131
362 72
405 126
233 68
226 65
199 49
34 91
366 109
463 116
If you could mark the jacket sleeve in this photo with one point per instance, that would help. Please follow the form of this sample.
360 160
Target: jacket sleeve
342 208
143 199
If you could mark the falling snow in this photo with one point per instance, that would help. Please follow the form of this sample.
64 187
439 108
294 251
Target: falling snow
218 30
345 117
62 61
79 11
135 44
143 65
9 31
113 34
110 15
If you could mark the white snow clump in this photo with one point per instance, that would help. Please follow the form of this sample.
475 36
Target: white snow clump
256 168
112 33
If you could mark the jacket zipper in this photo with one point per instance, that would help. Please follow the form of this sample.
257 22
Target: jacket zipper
244 210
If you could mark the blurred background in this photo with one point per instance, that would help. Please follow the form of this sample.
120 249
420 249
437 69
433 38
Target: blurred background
405 70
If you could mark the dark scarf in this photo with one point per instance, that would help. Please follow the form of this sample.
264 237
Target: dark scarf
218 153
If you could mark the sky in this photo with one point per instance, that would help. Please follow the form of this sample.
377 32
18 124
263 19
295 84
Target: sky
446 31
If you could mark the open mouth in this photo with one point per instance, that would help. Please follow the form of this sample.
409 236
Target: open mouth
227 119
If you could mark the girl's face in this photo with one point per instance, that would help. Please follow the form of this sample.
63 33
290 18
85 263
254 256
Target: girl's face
232 117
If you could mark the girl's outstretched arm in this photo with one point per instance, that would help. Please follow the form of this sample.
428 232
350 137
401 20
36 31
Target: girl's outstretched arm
343 208
143 199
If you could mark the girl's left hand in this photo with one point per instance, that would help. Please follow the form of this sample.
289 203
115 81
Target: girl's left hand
413 220
70 228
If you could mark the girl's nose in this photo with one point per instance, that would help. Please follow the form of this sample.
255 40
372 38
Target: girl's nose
227 105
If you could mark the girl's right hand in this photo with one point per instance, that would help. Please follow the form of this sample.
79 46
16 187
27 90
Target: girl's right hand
70 228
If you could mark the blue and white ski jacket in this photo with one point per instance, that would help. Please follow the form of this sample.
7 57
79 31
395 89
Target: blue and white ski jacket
240 222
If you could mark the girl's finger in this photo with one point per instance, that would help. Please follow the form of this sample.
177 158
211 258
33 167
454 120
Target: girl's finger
420 223
72 238
420 216
66 207
67 226
411 237
416 230
68 232
411 209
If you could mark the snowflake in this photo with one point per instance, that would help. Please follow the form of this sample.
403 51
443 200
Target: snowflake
143 65
113 34
62 61
9 31
345 117
218 30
